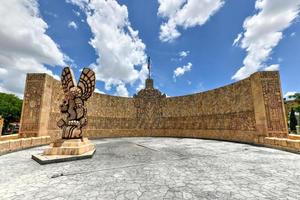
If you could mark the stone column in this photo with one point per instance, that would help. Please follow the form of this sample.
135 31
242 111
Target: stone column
36 105
268 104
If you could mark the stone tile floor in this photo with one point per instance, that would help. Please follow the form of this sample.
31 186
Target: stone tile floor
156 168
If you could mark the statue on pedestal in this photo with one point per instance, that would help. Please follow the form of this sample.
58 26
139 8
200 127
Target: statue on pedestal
72 145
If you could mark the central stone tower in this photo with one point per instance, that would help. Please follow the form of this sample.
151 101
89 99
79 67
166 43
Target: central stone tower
149 102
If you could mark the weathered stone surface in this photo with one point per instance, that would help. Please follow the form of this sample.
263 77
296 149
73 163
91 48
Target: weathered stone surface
241 111
56 158
15 145
9 137
4 146
21 143
27 142
156 168
69 147
36 141
283 143
73 107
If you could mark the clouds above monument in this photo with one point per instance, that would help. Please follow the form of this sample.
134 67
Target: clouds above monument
120 51
262 32
184 14
25 46
223 41
180 71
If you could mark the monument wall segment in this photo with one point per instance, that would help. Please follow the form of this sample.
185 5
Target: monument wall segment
1 124
242 111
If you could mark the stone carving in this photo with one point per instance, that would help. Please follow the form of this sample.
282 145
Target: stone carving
273 102
32 105
149 102
73 105
226 109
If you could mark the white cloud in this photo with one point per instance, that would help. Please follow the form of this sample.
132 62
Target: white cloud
274 67
263 31
122 91
237 39
51 14
179 71
186 14
99 91
288 94
181 55
293 34
24 45
72 24
184 54
76 13
120 50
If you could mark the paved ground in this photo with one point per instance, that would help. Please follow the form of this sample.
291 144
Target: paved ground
156 168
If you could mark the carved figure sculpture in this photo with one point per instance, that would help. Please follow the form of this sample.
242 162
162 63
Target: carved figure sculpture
73 105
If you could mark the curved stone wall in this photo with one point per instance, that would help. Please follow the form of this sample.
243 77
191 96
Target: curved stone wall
242 111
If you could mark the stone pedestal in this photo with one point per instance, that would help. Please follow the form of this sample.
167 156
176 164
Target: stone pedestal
66 150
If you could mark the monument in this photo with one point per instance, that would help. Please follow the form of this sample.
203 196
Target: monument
72 145
249 111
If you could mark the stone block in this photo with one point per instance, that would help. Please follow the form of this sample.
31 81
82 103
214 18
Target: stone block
26 142
269 141
294 144
15 145
36 141
44 139
261 140
48 139
69 147
294 137
4 146
283 142
9 137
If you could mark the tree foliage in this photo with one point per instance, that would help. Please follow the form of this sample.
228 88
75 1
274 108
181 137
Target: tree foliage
296 96
10 108
293 120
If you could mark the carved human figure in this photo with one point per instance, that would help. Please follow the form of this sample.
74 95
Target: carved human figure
73 107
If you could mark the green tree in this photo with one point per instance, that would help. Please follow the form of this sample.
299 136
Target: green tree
296 96
10 108
293 121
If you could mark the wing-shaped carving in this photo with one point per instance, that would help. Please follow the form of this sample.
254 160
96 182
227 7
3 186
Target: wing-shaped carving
86 83
67 80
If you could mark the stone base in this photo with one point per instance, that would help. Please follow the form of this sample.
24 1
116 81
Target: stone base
66 150
48 159
69 147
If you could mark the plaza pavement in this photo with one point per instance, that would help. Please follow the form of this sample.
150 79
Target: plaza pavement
156 168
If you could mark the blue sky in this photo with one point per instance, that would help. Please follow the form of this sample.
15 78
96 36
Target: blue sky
208 57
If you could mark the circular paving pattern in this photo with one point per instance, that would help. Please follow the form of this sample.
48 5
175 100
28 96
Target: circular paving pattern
156 168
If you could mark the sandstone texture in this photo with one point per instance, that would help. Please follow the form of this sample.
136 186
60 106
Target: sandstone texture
243 111
16 144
